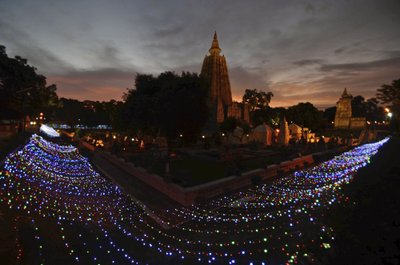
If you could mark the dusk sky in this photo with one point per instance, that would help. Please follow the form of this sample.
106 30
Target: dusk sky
300 50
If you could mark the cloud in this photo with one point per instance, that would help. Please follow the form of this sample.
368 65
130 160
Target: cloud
169 32
309 49
364 66
107 55
355 46
392 53
307 62
23 45
97 84
242 79
361 78
340 50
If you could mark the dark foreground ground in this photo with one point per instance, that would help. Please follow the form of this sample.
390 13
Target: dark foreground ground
369 231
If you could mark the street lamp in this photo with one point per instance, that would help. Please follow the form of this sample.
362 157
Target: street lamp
388 113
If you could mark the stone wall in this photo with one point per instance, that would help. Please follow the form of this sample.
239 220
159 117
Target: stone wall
358 122
187 196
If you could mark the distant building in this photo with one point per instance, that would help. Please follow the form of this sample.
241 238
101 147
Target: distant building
343 115
297 132
215 72
262 134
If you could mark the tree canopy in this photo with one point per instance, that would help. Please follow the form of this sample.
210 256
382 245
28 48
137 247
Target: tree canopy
367 108
22 90
390 95
90 113
258 102
167 105
305 115
329 114
257 99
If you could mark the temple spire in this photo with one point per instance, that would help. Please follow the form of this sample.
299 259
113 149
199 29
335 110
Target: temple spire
345 94
215 46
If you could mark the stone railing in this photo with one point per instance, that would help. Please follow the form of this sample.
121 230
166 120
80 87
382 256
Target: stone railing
188 195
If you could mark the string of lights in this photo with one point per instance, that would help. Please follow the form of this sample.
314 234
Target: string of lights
96 223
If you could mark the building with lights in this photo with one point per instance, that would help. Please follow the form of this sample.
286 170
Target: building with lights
215 72
343 115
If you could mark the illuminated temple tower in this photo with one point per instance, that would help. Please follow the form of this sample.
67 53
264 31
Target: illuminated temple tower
344 116
215 72
343 111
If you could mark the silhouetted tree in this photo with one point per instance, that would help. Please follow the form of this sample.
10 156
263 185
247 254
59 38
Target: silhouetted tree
168 105
22 90
119 116
274 116
305 115
390 96
228 125
328 117
358 106
258 102
257 99
89 113
373 112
